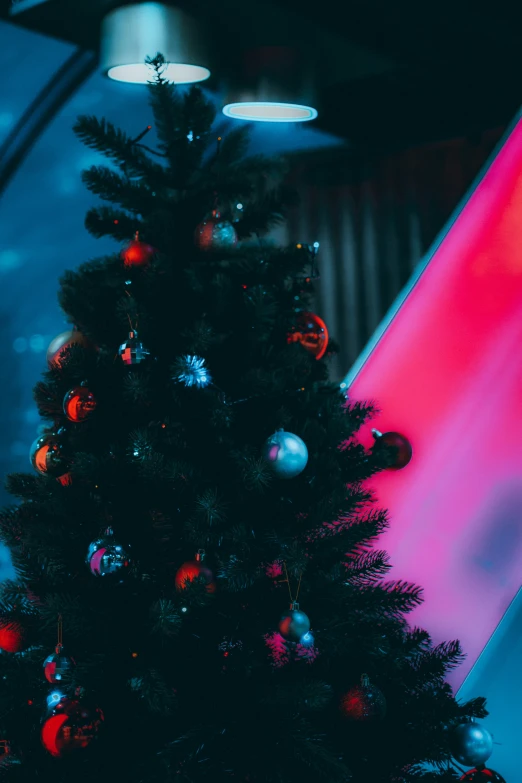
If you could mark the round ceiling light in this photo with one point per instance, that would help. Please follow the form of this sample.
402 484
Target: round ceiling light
269 111
272 84
132 33
141 73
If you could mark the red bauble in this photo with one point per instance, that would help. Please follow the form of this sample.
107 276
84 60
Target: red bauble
364 703
482 775
79 403
311 332
13 637
396 441
193 569
58 346
137 253
70 727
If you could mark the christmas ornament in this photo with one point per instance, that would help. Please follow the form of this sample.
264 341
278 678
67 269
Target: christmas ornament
58 347
13 636
311 332
47 455
70 726
194 569
191 371
137 253
402 447
364 703
286 453
471 744
5 748
132 351
52 699
79 403
57 665
107 557
482 775
215 234
294 624
307 639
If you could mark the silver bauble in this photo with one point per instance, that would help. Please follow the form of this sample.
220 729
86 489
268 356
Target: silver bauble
47 455
294 624
57 666
107 557
132 351
286 454
215 234
471 744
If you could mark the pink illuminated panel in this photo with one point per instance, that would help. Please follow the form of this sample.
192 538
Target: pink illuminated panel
446 372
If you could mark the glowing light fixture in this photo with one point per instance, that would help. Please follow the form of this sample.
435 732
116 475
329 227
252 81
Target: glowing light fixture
270 111
275 88
131 33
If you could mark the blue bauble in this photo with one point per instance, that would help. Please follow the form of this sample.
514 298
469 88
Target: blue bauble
294 624
471 744
286 454
215 234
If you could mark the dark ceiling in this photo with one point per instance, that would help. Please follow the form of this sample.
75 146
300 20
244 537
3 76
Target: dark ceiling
390 74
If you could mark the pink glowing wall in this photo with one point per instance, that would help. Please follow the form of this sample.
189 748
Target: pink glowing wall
446 371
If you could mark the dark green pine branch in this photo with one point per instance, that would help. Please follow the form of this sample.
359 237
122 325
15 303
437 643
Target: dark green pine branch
107 221
110 186
103 136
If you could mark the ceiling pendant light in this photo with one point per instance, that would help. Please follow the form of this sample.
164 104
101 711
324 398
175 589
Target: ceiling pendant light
131 33
276 88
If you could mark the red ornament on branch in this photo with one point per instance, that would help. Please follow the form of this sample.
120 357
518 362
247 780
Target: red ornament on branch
13 637
311 332
70 727
482 775
79 403
393 440
364 703
193 569
137 253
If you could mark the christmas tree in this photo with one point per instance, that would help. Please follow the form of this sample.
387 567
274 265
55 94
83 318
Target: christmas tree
195 549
